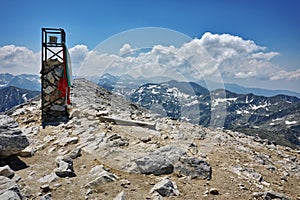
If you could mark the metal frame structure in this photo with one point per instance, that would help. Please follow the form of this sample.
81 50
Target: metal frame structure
47 45
54 49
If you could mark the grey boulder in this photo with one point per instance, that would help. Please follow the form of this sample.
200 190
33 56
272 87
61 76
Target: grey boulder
12 140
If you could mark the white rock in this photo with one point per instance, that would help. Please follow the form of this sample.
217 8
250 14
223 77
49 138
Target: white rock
6 171
68 140
48 178
165 188
49 89
120 196
9 195
58 108
28 151
12 140
100 176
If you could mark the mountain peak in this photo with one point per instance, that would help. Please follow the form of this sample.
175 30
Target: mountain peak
105 148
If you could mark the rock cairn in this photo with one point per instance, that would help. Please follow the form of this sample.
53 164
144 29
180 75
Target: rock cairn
53 103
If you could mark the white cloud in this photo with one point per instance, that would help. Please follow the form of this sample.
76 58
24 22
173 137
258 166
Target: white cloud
95 63
282 74
78 53
213 42
238 58
264 56
211 55
245 75
230 56
19 60
125 49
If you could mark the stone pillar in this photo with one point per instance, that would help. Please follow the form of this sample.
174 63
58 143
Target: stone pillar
54 103
56 76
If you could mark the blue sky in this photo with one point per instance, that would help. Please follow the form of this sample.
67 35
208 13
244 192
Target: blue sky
274 25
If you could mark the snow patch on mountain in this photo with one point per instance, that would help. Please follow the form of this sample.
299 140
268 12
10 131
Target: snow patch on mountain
248 101
290 122
277 119
216 102
24 97
242 111
255 107
195 102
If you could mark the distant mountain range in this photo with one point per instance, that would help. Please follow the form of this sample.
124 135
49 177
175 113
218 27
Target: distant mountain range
17 89
12 96
258 91
118 83
276 118
24 81
272 114
111 82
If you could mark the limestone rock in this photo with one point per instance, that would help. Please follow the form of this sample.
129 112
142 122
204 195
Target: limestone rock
270 195
12 141
117 141
165 188
154 164
160 161
10 195
9 189
48 178
93 142
100 175
27 152
45 188
193 167
248 173
120 196
64 139
46 197
6 171
75 153
65 167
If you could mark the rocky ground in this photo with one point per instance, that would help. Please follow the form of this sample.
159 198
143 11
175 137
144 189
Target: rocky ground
112 149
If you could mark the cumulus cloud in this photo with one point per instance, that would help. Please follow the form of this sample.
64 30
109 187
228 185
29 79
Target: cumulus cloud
19 60
95 63
126 49
78 53
215 42
238 58
245 74
210 56
230 56
263 56
157 61
282 74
